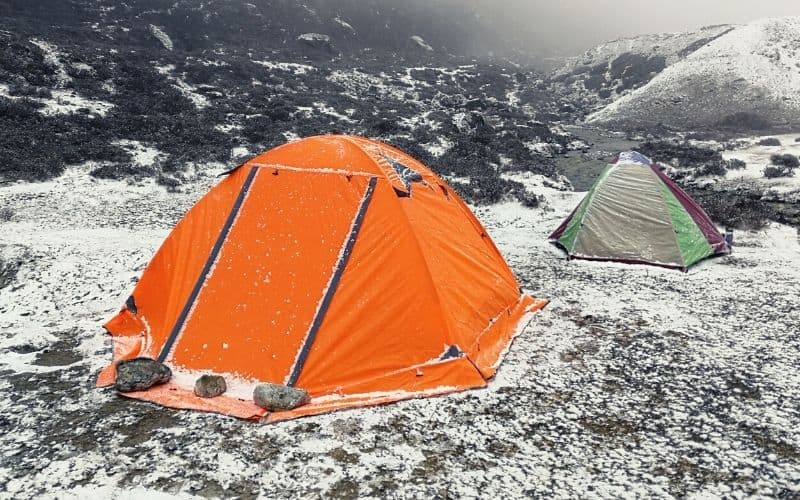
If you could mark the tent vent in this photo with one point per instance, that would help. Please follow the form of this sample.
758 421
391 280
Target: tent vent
130 305
406 174
452 352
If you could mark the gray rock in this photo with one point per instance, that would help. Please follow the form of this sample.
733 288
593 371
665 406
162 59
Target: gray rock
316 41
210 386
275 397
139 374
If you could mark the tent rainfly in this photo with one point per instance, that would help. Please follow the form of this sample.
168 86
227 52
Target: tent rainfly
334 264
634 213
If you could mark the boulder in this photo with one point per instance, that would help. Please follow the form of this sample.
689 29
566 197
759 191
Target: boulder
210 386
276 397
139 374
421 43
316 41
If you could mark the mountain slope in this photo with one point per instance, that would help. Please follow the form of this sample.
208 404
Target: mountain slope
613 69
747 78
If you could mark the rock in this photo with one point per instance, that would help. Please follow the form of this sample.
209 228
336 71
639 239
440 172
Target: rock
421 43
316 41
210 386
275 397
139 374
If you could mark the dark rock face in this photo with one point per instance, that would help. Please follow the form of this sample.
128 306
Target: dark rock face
139 374
210 386
275 397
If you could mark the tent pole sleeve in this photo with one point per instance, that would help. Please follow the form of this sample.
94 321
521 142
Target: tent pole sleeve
212 258
334 283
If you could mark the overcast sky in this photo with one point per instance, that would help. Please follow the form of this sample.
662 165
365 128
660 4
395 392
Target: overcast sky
576 25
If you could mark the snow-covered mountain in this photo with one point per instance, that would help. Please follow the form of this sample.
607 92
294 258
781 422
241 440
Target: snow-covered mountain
739 77
614 69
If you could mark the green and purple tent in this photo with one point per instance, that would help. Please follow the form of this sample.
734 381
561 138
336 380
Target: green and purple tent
634 213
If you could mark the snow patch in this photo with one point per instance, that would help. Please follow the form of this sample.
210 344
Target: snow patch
314 37
421 42
439 148
344 23
52 56
294 68
757 158
162 37
189 91
758 62
63 101
141 155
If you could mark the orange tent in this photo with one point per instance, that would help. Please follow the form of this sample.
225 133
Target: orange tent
334 264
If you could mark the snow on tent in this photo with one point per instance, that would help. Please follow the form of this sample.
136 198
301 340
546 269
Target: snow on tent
634 213
334 264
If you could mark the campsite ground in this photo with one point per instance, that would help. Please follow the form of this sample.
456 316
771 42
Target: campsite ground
634 381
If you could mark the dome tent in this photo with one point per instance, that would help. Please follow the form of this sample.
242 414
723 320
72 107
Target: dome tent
635 213
335 264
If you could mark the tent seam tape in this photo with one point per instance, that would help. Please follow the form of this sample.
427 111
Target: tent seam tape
325 170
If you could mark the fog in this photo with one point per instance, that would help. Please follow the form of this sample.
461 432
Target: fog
568 27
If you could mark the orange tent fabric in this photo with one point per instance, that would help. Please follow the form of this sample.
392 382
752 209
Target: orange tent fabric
335 264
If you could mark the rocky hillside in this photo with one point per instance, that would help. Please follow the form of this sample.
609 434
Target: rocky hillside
160 88
411 29
740 78
614 69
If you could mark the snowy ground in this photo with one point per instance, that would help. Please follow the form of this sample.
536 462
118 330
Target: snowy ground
757 158
635 381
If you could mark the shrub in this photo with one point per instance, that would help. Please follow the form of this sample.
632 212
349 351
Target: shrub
736 164
6 214
769 141
785 160
117 171
528 199
772 172
23 89
715 168
739 211
19 109
488 191
169 182
279 112
685 154
744 121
